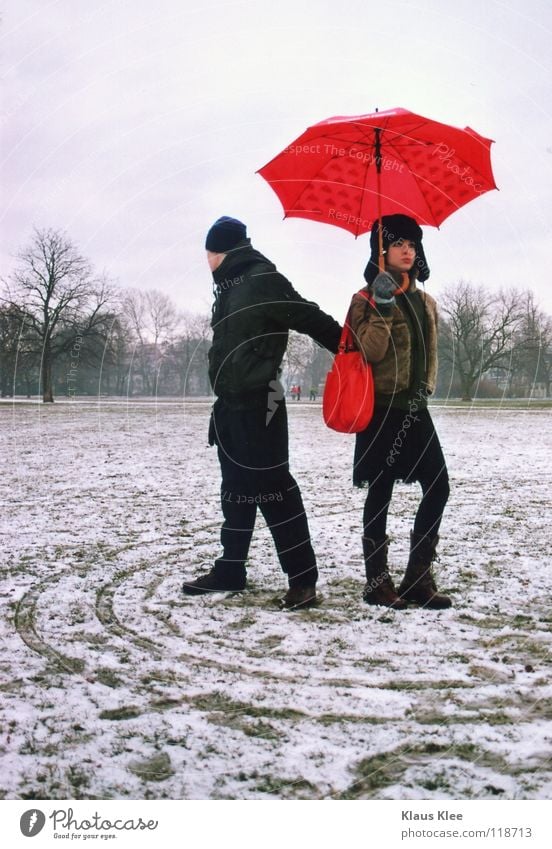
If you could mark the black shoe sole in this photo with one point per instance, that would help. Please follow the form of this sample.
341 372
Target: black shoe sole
189 589
315 601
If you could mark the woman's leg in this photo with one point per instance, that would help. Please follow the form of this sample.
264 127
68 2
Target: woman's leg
379 587
376 507
418 584
434 480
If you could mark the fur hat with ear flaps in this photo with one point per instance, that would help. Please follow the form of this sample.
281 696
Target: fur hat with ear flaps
396 227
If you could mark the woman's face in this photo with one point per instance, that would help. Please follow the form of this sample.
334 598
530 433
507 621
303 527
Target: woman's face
400 255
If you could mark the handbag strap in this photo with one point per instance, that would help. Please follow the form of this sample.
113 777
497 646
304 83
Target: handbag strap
346 342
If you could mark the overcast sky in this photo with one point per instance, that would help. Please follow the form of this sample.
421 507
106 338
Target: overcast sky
133 125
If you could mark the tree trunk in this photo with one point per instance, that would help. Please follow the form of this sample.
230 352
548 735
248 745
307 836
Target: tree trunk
47 387
467 388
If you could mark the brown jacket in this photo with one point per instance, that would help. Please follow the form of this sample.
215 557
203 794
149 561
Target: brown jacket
385 342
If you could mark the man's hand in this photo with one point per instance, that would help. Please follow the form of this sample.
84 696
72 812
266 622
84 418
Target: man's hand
383 288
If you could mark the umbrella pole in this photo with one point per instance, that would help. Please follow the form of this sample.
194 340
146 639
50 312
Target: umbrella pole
381 260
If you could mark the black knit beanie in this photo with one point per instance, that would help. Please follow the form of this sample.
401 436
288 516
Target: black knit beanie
225 234
396 227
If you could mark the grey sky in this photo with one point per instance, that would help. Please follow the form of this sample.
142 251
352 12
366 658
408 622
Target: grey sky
133 125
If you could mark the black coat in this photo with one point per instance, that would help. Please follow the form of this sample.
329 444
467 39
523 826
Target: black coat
255 307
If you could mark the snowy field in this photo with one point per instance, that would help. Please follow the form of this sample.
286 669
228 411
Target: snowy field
113 685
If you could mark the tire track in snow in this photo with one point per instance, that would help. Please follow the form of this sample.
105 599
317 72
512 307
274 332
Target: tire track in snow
25 626
26 615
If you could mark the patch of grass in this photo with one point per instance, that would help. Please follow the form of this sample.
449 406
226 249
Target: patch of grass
530 706
79 781
262 729
165 704
218 702
71 664
271 642
164 616
245 622
95 640
528 647
438 782
468 716
156 768
125 712
340 719
152 586
484 622
108 677
426 685
286 787
382 770
374 773
15 684
166 677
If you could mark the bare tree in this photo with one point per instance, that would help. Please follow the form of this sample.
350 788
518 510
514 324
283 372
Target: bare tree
187 355
153 319
162 316
532 352
58 300
14 353
297 358
306 362
117 357
478 331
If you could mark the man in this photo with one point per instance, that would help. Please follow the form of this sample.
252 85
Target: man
254 309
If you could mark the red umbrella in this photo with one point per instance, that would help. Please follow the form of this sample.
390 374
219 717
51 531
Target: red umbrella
348 171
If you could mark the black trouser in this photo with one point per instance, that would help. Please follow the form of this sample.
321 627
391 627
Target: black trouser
426 465
253 453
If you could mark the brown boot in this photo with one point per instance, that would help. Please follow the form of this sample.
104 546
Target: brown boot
418 584
379 588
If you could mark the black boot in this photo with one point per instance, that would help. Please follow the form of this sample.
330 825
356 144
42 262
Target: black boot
224 577
300 597
418 584
379 588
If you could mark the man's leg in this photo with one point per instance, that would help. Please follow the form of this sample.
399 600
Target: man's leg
283 510
282 507
239 510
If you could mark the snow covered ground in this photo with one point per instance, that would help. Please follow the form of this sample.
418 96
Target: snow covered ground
113 685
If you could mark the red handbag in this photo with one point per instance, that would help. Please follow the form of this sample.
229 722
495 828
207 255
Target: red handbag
348 402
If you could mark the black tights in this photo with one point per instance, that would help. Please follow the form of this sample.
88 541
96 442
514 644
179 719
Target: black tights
435 489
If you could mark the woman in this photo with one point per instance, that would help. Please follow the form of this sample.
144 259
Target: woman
397 331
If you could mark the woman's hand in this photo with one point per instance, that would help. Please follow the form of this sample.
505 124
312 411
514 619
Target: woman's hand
383 288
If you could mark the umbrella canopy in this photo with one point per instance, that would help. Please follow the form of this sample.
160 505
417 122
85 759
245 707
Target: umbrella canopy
349 171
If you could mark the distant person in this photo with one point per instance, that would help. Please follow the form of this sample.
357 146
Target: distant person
398 335
293 392
298 393
312 394
255 307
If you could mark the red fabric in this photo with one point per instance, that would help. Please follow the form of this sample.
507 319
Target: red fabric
428 170
348 402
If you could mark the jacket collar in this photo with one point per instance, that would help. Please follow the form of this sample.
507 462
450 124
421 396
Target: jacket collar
236 262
